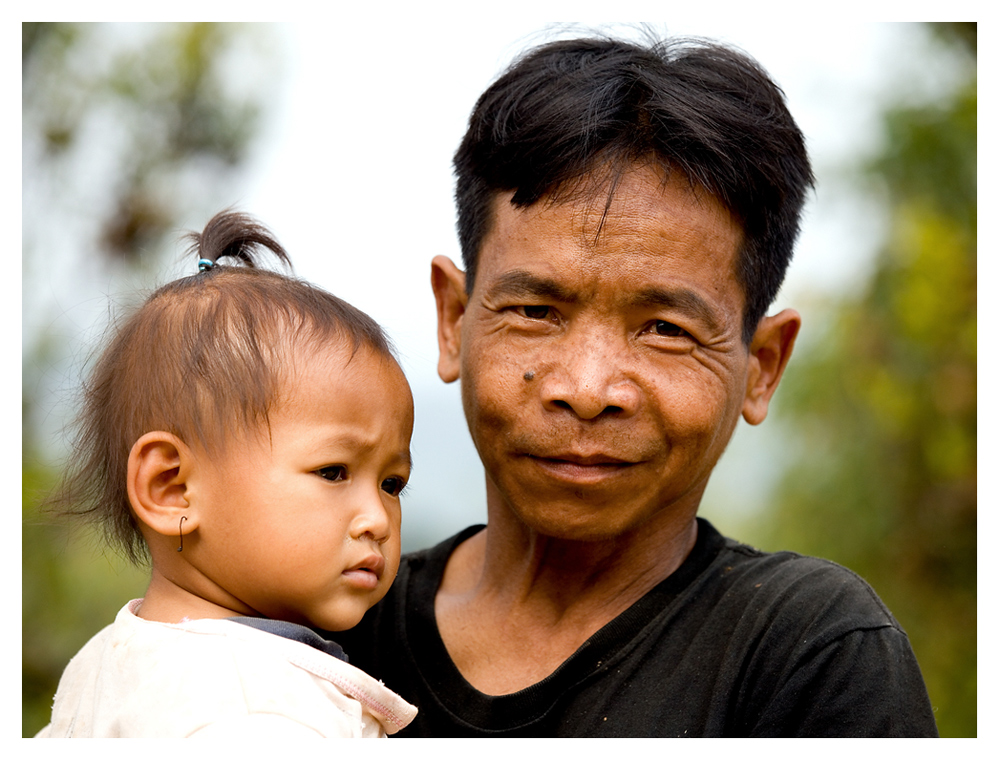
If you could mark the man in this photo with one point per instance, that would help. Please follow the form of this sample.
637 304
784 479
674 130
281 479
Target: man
626 215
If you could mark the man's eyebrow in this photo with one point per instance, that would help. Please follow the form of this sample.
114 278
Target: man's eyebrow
524 284
681 299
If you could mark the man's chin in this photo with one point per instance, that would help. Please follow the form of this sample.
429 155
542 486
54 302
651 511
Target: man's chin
578 520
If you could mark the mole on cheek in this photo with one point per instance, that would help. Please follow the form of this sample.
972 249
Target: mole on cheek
530 375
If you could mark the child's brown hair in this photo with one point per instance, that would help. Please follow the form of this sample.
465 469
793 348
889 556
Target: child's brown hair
202 358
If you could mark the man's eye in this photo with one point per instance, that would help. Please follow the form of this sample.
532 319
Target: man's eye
393 486
535 312
664 328
332 472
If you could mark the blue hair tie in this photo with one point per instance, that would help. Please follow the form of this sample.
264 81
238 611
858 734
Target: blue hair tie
205 264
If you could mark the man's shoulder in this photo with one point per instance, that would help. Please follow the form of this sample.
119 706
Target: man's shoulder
786 587
797 645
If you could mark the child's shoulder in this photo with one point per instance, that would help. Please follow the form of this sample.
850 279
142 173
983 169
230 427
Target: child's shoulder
173 680
217 669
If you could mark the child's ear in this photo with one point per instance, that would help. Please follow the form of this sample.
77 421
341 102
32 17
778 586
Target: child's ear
159 466
770 350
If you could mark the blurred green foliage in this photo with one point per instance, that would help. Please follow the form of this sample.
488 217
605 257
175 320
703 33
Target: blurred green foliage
126 129
165 101
69 590
881 410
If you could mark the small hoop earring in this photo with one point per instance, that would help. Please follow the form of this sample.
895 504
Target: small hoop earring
180 533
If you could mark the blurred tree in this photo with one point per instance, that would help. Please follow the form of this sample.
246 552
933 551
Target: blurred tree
130 133
882 408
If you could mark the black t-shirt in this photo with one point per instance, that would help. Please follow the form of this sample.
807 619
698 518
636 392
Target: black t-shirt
735 643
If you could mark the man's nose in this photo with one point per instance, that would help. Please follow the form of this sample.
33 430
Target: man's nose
588 377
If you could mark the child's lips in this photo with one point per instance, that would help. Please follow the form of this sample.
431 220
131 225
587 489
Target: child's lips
367 573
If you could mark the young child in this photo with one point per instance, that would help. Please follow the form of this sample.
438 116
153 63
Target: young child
250 434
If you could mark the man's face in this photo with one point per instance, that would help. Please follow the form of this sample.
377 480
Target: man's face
602 366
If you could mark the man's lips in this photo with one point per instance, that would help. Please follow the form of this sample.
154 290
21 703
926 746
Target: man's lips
585 460
579 468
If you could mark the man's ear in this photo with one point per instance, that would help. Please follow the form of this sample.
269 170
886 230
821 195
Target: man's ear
448 282
770 349
158 469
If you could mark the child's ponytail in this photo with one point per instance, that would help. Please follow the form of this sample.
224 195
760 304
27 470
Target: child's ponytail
236 236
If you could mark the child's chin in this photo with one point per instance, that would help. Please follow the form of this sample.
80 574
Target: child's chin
339 623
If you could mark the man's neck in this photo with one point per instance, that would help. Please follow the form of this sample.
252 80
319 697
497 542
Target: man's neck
513 604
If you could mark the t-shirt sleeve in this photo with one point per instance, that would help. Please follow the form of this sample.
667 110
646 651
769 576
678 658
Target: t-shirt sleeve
864 683
822 655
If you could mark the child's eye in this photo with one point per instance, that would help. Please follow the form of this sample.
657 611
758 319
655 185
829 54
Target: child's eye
332 472
393 486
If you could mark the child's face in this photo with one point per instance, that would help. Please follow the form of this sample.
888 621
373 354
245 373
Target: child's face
302 523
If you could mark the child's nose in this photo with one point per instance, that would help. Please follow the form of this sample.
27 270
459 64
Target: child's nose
371 520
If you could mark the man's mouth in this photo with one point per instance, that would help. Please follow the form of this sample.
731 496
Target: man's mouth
581 468
581 459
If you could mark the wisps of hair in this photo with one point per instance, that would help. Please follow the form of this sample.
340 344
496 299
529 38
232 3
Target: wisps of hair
204 359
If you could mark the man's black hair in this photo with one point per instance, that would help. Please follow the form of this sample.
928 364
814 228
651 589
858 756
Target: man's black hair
573 108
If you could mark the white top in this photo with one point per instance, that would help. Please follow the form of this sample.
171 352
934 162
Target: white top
215 678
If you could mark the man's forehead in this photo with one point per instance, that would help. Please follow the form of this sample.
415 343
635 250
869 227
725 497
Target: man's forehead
645 215
602 199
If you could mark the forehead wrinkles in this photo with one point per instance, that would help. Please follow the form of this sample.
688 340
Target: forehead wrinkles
647 214
646 193
598 247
